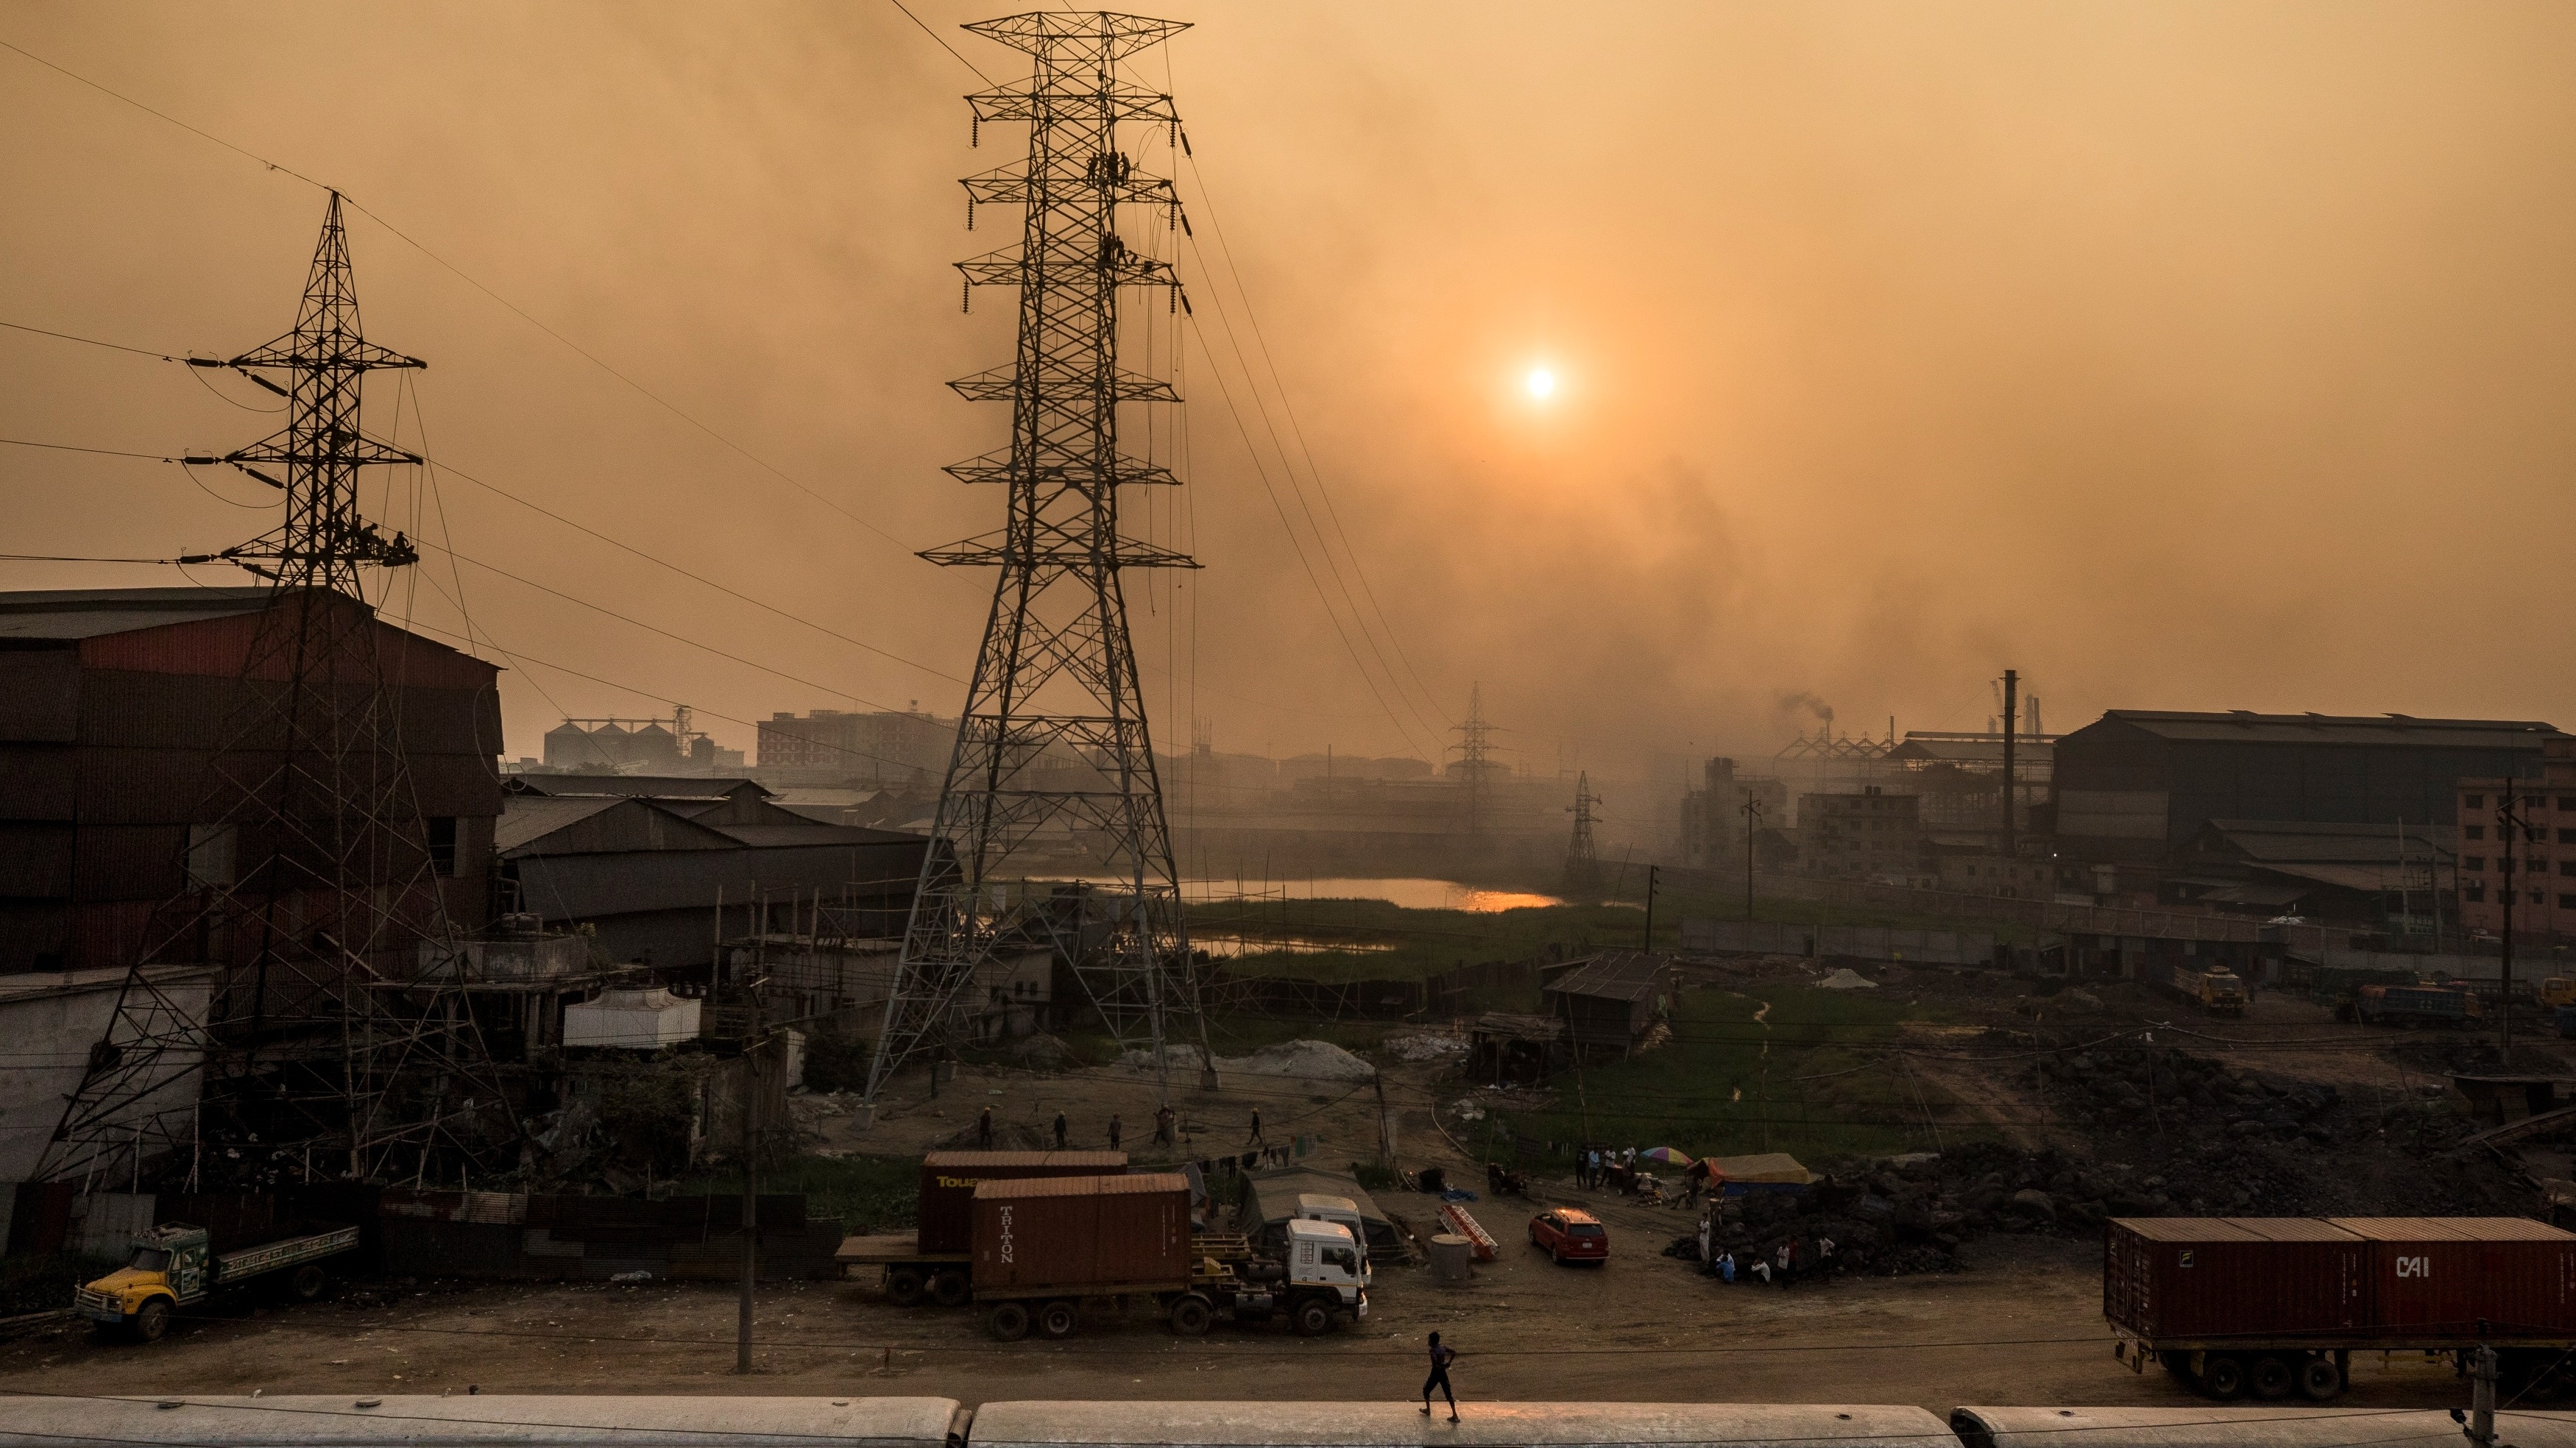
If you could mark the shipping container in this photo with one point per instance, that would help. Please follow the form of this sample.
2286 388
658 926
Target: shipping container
949 1178
1089 1236
2197 1278
2470 1276
2269 1304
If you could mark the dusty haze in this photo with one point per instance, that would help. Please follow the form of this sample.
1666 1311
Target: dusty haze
2180 356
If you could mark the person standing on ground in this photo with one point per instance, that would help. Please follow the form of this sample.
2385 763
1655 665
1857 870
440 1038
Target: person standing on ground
1060 1127
1707 1231
1788 1261
1441 1358
1256 1128
984 1130
1726 1268
1163 1126
1113 1131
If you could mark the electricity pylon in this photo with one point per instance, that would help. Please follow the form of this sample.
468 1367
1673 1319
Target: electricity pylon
1054 764
1582 860
309 878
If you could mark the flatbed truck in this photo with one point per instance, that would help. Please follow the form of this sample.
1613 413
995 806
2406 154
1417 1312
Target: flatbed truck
175 1265
936 1262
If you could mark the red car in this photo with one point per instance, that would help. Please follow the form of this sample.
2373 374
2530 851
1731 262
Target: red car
1570 1234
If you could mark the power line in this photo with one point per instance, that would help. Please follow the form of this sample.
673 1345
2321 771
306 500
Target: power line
88 341
107 452
944 45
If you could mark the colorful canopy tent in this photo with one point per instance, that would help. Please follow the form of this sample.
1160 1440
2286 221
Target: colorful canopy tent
1770 1171
1664 1154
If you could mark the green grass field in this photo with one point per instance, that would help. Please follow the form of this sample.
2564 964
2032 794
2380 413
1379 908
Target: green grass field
1807 1077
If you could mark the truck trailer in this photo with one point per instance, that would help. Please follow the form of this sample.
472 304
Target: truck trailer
175 1265
2271 1306
937 1260
2439 1006
1048 1249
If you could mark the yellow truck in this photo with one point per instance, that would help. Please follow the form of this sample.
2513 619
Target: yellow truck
2558 990
2219 991
174 1265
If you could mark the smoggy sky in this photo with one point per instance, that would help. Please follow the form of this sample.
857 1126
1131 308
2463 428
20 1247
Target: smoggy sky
2181 355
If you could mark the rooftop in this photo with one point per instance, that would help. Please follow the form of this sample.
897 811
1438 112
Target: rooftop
2301 842
633 786
1626 975
2237 726
79 613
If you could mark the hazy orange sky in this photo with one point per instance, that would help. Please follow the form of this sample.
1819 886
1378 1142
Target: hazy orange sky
2179 355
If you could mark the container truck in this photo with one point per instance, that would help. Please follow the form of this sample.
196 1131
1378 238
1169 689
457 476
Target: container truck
2268 1307
174 1265
2418 1006
937 1260
1047 1249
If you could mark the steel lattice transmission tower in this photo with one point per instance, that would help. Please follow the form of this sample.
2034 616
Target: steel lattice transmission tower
1582 858
1054 766
310 882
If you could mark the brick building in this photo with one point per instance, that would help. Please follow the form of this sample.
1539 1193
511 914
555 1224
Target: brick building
1872 835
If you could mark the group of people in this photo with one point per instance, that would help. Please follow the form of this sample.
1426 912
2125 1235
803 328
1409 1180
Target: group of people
1167 1125
1600 1168
1780 1264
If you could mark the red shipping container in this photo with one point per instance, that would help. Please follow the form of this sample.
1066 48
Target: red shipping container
949 1178
2207 1279
1089 1236
2441 1277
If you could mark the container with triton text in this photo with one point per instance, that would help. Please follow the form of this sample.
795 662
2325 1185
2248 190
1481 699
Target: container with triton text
932 1262
2270 1306
1096 1236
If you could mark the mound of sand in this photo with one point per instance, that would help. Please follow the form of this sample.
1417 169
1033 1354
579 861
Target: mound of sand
1307 1060
1846 978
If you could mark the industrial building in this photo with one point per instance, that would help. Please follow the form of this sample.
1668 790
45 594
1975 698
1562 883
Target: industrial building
2542 865
645 863
673 745
2136 785
883 746
1872 835
113 719
1714 827
2370 877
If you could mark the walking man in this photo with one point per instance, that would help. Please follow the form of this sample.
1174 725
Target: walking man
984 1130
1060 1125
1256 1128
1441 1358
1113 1131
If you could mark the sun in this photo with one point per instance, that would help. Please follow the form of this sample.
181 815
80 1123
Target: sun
1541 383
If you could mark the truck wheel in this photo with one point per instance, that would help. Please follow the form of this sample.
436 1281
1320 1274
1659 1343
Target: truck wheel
1311 1318
308 1282
1191 1317
1058 1321
2271 1379
1010 1321
950 1289
904 1286
2222 1377
2320 1379
152 1320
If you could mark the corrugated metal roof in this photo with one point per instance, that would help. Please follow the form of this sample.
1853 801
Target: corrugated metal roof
2243 725
1628 976
1988 750
2310 842
80 613
2452 1229
533 817
1133 1184
2292 1229
634 786
768 837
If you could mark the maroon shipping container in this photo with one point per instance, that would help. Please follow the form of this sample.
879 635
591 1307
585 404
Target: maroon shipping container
1082 1236
949 1178
2441 1277
2197 1279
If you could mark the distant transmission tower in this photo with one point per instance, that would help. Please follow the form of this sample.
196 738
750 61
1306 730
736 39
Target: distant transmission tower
1053 760
314 885
1582 860
1475 756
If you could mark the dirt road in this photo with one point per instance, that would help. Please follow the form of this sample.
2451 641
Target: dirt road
2024 1326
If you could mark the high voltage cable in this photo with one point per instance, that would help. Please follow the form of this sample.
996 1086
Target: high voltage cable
87 341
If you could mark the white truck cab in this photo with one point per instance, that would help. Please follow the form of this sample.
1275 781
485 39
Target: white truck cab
1342 1212
1326 1256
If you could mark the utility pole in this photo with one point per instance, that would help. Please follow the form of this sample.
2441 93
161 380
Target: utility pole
1651 871
1053 750
2012 784
750 1178
1582 859
1752 818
